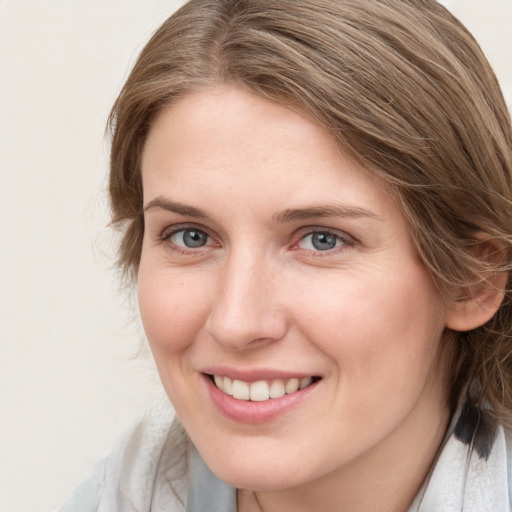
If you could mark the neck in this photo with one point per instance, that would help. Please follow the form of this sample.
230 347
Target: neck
386 478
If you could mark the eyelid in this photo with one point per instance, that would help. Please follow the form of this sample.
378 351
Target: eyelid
169 231
301 234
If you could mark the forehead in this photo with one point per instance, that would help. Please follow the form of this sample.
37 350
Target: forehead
228 119
229 143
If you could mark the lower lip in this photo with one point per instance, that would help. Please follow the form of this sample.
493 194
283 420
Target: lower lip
246 411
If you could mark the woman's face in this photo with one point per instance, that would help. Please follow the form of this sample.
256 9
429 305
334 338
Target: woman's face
271 260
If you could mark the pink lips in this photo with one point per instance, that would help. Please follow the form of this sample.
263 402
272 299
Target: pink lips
251 412
252 375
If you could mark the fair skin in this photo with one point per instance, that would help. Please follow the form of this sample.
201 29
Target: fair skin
269 255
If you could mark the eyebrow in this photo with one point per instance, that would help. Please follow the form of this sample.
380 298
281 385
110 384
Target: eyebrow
172 206
288 215
331 210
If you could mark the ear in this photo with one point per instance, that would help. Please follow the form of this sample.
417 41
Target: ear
478 302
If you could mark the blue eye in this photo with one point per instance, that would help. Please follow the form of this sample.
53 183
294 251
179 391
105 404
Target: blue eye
321 241
190 238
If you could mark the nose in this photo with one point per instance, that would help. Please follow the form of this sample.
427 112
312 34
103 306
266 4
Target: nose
246 312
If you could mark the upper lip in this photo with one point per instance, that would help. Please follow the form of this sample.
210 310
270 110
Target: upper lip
255 374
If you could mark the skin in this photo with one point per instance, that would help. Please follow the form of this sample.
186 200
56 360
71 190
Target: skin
364 316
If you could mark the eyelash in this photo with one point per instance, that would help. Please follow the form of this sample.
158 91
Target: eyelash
167 235
342 240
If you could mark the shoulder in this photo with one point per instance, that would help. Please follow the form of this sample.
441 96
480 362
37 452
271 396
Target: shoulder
146 470
508 442
472 471
485 449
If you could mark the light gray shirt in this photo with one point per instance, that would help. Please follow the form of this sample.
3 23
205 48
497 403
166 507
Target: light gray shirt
155 468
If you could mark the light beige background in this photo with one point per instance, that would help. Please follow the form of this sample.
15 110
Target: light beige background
68 382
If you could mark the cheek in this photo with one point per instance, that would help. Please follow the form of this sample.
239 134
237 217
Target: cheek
171 310
376 326
382 340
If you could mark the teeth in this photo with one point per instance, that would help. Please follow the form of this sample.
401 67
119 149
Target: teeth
228 386
240 389
219 382
261 390
305 382
277 389
291 386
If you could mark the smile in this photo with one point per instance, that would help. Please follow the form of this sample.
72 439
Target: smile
262 390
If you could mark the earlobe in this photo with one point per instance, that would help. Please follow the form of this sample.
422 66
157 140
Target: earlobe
476 303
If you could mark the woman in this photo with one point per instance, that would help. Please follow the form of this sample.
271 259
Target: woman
316 204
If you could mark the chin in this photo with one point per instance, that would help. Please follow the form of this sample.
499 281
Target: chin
254 479
257 475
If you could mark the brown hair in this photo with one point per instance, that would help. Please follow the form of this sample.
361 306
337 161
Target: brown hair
405 89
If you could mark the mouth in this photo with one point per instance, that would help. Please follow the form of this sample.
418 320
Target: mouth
261 390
